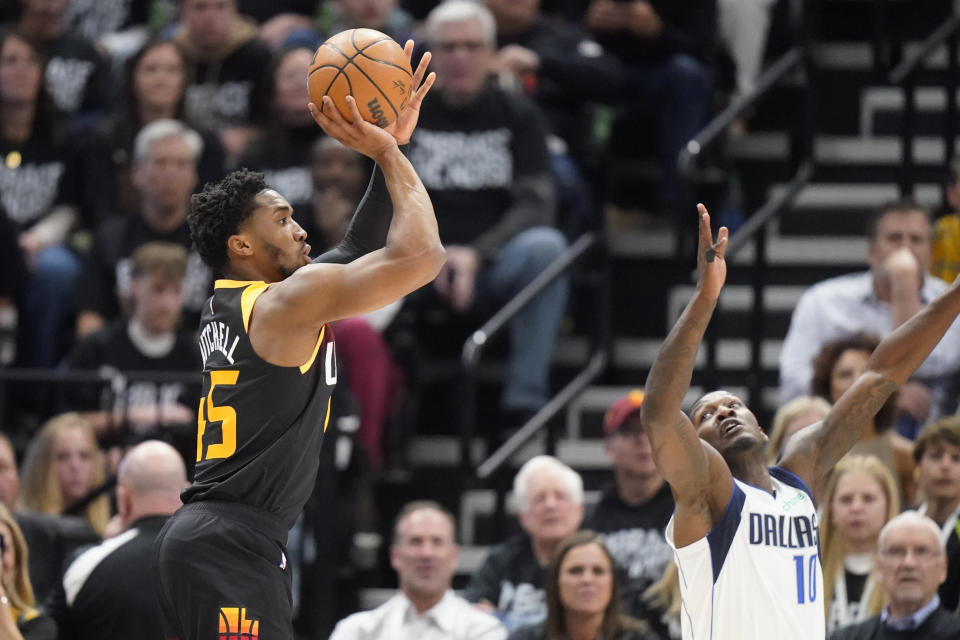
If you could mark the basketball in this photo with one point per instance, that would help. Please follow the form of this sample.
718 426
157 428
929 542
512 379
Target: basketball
365 64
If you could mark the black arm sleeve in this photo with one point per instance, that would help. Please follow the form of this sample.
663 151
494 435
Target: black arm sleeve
368 228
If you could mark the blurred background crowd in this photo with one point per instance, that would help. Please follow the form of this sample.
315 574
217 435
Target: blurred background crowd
552 123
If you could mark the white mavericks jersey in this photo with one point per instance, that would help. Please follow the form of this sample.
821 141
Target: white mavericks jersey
756 575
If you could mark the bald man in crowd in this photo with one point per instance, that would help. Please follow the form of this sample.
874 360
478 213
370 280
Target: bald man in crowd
107 592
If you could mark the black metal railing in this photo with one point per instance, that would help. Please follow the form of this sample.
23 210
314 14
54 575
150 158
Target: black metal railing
46 386
904 75
473 348
797 60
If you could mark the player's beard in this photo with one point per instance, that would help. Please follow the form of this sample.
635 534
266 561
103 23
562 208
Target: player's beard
277 254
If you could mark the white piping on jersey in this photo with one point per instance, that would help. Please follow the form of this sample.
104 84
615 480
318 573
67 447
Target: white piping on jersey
81 568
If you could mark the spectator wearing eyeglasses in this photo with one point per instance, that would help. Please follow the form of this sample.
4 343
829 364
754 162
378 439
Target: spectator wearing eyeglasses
911 564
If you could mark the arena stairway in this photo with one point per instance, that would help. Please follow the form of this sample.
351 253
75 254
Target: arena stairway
857 152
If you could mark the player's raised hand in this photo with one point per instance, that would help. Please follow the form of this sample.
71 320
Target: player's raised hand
358 134
711 256
406 122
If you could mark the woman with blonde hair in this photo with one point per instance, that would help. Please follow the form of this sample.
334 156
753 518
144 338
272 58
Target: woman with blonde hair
19 617
860 498
62 465
790 418
661 604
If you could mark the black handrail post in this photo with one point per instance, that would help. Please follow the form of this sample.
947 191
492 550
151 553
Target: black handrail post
881 49
468 416
950 88
906 137
758 318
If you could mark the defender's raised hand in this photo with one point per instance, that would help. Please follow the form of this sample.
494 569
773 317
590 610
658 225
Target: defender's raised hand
711 256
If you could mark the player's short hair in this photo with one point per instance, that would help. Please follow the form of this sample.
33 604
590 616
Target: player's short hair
943 431
217 212
900 205
161 130
163 259
545 464
910 517
422 505
456 11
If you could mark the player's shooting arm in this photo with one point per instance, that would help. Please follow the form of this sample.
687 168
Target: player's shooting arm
695 472
813 452
368 228
411 257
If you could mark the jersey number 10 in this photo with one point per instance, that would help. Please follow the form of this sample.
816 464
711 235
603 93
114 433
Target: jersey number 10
806 588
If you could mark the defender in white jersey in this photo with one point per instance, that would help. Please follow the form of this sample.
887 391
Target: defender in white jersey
745 536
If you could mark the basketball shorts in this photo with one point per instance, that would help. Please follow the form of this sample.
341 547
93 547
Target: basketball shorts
222 572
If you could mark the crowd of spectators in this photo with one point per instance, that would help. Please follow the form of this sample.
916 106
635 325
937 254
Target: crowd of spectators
114 112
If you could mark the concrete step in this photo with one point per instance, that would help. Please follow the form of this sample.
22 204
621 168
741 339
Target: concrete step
881 110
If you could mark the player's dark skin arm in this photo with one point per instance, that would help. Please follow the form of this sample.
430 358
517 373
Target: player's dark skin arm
813 452
290 313
699 478
368 228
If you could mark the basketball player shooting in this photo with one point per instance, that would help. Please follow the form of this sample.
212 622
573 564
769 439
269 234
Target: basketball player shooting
745 535
270 367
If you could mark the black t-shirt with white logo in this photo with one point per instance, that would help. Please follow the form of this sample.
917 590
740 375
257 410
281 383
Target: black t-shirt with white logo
511 579
470 157
35 176
77 76
635 537
230 92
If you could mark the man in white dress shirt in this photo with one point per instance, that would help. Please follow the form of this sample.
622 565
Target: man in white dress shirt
897 285
424 555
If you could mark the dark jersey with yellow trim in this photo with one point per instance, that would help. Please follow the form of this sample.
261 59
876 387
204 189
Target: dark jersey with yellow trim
260 426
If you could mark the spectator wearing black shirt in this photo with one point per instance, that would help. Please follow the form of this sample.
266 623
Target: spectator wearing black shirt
665 46
153 87
37 177
164 172
150 340
77 76
633 512
481 152
510 583
283 153
13 282
564 71
94 19
108 591
229 71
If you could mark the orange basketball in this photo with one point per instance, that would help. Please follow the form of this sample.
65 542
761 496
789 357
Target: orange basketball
365 64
